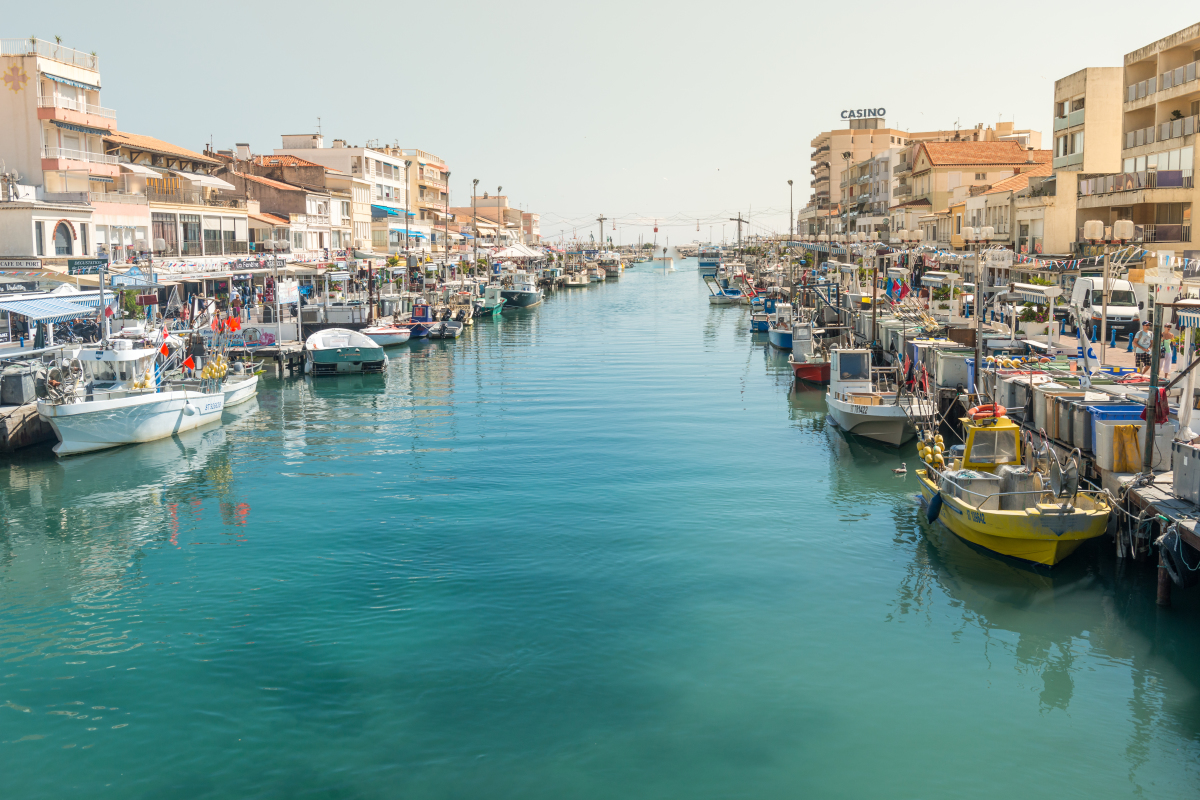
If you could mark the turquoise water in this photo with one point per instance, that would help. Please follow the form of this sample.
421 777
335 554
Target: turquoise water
596 549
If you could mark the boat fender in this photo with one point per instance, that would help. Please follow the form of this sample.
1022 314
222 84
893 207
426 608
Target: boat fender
1183 574
935 508
189 409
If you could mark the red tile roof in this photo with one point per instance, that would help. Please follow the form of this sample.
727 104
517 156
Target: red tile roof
138 142
920 202
291 161
981 153
272 183
1018 182
270 219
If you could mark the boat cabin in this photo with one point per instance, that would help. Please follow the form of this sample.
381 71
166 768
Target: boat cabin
991 443
850 376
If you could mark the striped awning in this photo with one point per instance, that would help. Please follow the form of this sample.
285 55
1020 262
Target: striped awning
69 82
47 310
1187 319
71 126
1038 295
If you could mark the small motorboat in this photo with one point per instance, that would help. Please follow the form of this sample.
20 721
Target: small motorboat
989 498
110 395
780 331
338 350
858 407
387 335
523 293
809 363
419 321
490 305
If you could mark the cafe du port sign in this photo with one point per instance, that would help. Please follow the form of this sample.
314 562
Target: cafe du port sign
864 113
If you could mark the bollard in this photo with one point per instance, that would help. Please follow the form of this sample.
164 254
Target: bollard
22 338
1062 327
1163 595
1130 348
1113 344
1174 353
1095 329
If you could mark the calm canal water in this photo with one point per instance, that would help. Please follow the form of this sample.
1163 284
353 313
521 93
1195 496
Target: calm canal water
596 549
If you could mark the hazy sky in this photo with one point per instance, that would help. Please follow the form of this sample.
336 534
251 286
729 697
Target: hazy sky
635 110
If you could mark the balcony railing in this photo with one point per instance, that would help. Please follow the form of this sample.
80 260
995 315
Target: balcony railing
1060 123
902 167
1140 89
903 190
76 105
117 197
1154 233
78 155
1133 181
195 199
310 219
1173 129
210 247
1178 76
55 52
439 183
1139 137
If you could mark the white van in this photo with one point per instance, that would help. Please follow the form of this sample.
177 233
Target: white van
1125 310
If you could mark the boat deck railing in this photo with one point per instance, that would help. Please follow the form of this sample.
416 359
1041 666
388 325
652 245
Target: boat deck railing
1038 492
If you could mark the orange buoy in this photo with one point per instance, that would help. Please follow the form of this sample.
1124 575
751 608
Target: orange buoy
987 411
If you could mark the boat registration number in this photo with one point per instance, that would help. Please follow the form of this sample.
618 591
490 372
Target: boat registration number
859 409
215 405
975 516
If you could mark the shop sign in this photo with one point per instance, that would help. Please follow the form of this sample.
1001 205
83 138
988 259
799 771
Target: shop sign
86 266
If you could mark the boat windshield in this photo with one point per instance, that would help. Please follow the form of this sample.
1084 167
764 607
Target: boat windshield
854 367
993 447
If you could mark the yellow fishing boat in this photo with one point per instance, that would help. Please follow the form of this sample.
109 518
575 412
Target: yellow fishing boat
988 498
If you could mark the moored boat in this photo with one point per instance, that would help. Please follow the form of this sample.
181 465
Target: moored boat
107 397
335 350
988 498
808 362
857 407
522 293
387 335
492 302
779 333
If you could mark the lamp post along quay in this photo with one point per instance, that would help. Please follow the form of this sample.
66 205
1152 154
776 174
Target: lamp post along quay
979 238
1097 232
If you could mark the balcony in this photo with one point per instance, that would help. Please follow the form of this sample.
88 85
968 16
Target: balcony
320 220
66 110
208 247
903 190
902 168
117 197
1177 77
1176 128
1139 137
50 50
1139 90
1060 123
78 155
435 182
1075 118
1155 233
195 198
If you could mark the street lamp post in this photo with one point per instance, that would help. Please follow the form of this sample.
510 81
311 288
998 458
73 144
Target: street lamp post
846 156
407 260
791 211
474 227
499 216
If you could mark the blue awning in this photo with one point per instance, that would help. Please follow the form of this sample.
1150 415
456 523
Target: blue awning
100 178
466 236
388 211
81 128
47 310
70 82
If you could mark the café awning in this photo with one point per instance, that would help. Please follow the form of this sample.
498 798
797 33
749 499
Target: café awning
48 309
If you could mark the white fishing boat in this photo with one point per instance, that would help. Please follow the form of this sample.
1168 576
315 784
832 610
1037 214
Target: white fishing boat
239 388
523 292
576 280
857 406
387 335
335 350
100 398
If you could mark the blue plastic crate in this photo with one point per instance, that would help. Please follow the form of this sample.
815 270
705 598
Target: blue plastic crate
1129 413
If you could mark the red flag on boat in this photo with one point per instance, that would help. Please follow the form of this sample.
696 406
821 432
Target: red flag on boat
108 312
189 364
166 351
904 290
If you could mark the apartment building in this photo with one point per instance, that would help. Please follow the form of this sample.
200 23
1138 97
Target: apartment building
382 168
1138 157
428 185
498 223
193 223
531 228
349 196
866 138
63 198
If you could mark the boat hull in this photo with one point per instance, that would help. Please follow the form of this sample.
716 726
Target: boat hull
239 391
100 424
346 359
489 312
887 424
520 299
811 372
723 300
1039 538
389 338
780 338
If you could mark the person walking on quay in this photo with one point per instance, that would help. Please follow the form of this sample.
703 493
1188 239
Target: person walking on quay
1164 352
1141 348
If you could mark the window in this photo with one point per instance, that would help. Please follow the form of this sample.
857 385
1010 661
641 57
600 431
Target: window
379 191
191 227
1077 142
298 240
993 447
345 209
958 224
1077 104
163 226
1060 109
83 239
39 235
981 176
62 240
853 367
